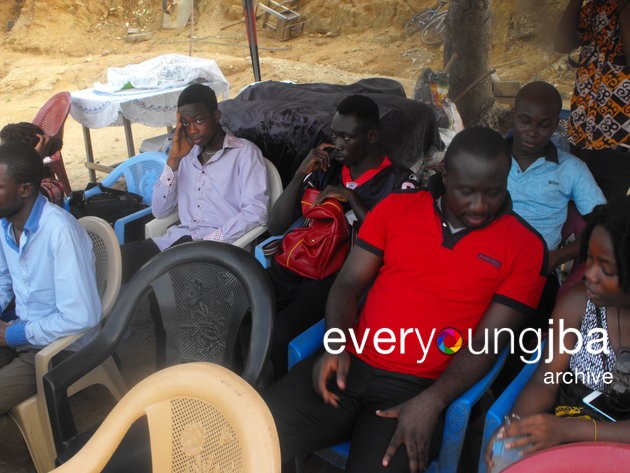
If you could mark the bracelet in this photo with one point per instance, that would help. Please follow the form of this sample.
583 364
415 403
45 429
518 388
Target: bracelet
595 426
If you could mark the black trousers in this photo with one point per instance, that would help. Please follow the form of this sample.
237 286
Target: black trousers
610 168
306 424
136 253
300 303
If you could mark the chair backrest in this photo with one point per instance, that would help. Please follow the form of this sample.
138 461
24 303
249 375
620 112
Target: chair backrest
274 182
52 116
200 294
108 261
141 172
201 417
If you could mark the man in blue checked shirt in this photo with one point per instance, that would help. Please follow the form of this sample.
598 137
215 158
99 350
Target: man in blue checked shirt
46 265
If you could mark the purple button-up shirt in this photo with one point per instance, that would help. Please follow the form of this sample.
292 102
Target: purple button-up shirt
221 200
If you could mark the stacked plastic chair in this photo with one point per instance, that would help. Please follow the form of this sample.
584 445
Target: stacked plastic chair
51 118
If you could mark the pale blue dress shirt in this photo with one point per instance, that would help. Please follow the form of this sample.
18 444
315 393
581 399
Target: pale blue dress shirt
52 275
542 192
221 200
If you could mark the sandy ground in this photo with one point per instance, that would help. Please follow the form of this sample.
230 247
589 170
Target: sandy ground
67 45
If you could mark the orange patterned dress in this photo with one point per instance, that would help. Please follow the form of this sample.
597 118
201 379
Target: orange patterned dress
600 106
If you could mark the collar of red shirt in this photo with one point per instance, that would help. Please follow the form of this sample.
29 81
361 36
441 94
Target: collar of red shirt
350 183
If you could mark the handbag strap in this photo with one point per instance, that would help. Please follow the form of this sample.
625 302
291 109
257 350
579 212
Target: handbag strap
118 192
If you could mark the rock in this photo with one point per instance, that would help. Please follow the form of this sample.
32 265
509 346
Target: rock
136 38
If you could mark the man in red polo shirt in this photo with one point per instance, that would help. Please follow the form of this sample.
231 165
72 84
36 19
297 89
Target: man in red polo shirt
454 258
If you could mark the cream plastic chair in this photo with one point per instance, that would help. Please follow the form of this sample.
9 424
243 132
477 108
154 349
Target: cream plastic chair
31 415
158 226
201 417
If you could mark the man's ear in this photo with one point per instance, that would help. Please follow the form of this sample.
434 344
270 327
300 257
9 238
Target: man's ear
444 173
217 115
372 135
27 189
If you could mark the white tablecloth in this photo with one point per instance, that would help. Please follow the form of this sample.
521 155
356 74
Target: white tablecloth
155 107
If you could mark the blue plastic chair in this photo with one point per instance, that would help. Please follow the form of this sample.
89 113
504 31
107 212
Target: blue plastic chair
140 173
259 254
457 413
503 406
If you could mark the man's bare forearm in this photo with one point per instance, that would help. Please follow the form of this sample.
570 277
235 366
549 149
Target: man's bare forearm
462 373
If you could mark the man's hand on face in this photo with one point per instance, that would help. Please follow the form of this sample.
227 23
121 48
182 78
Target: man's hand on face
417 419
42 145
318 158
180 146
327 366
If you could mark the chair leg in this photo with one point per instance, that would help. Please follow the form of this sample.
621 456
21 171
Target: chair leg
36 434
59 170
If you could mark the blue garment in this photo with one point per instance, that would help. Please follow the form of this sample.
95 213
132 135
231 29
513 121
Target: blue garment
542 192
51 274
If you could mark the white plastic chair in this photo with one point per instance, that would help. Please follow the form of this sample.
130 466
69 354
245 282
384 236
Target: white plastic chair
201 417
31 415
158 226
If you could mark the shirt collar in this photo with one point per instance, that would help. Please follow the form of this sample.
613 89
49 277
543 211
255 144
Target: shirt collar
229 141
550 152
32 223
346 177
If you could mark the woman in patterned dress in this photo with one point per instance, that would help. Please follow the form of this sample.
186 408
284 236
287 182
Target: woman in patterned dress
600 107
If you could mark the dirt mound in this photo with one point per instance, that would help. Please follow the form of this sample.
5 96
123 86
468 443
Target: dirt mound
53 45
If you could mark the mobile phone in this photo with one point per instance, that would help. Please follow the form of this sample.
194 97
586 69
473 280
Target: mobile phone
597 401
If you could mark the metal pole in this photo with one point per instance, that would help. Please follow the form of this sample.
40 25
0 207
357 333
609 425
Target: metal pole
192 26
250 26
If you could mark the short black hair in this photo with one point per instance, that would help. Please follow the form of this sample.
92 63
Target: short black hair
23 163
198 93
483 143
544 90
27 132
363 108
614 217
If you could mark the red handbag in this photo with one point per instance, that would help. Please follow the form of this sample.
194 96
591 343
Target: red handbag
320 247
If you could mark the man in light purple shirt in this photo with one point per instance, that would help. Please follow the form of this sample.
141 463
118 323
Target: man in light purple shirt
216 181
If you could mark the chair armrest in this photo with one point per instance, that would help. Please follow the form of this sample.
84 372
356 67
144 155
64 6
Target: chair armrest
503 405
46 354
265 261
245 240
306 343
458 415
119 225
158 226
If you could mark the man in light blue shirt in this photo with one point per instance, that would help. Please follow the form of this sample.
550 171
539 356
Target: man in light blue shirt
46 265
543 179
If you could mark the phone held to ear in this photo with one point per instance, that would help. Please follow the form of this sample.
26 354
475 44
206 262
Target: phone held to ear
597 401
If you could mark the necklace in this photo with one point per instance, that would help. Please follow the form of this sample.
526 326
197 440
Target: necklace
206 155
